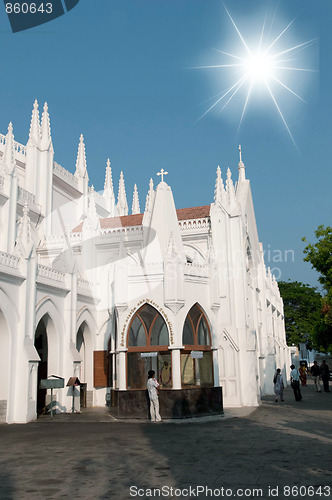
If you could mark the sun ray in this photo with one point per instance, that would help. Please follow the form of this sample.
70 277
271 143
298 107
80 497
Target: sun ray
238 31
290 90
280 35
235 91
244 109
230 55
303 45
281 115
222 97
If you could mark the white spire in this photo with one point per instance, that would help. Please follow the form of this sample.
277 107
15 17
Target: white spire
35 124
108 185
45 128
230 189
9 154
150 197
81 170
219 193
135 208
108 193
241 167
122 205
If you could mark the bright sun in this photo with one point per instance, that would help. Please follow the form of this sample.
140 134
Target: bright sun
264 65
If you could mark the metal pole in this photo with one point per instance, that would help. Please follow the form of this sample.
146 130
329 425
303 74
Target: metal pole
51 403
73 407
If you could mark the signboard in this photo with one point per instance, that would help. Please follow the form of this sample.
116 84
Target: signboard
149 354
52 383
197 354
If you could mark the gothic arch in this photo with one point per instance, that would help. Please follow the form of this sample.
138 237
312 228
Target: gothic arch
204 315
48 312
147 341
85 345
197 356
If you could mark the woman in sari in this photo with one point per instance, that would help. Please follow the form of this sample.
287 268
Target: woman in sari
278 386
303 376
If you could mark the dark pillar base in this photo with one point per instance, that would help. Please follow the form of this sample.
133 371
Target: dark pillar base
182 403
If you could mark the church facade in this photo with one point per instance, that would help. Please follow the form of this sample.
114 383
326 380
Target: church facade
91 291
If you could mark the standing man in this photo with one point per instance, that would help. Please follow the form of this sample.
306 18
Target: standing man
325 374
315 372
152 386
295 382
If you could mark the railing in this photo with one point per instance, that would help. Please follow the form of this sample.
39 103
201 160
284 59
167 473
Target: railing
194 224
9 260
62 172
196 270
50 273
84 284
24 195
18 148
127 230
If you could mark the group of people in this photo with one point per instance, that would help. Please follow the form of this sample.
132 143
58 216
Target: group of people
318 373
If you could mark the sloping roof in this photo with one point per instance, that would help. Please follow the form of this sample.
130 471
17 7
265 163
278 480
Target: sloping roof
136 220
193 212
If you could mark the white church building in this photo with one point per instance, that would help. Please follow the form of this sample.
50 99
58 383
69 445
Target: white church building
91 291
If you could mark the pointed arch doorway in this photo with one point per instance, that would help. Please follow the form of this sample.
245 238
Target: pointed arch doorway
4 367
41 346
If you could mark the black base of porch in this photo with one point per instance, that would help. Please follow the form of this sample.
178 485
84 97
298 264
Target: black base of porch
182 403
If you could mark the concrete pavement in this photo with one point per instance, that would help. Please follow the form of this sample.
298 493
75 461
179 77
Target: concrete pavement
244 454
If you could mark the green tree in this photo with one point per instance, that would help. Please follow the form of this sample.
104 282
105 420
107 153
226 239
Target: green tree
302 307
319 255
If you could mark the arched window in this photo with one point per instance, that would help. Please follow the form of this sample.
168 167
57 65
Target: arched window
147 342
196 358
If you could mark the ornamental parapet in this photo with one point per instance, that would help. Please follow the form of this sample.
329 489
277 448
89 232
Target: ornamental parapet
191 269
83 284
128 231
50 273
24 195
9 260
64 174
195 224
18 148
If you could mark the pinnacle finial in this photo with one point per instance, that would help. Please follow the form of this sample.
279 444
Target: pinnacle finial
122 204
135 209
219 192
108 163
81 167
241 168
45 128
34 132
9 153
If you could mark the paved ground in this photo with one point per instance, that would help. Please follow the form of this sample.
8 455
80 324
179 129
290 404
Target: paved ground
247 453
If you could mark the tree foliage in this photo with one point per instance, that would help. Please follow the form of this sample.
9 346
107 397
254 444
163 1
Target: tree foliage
319 255
302 312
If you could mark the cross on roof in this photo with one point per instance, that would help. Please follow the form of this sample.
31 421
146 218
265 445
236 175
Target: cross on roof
162 173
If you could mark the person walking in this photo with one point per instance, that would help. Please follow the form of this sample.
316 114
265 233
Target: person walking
278 386
325 374
315 372
152 386
295 382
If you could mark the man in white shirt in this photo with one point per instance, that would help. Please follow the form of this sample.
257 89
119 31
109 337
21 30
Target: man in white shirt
295 382
152 386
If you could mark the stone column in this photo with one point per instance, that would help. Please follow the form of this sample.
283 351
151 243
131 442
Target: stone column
176 368
122 382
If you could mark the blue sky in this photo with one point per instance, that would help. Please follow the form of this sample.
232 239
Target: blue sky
120 72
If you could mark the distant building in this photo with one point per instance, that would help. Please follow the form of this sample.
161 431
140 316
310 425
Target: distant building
88 290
